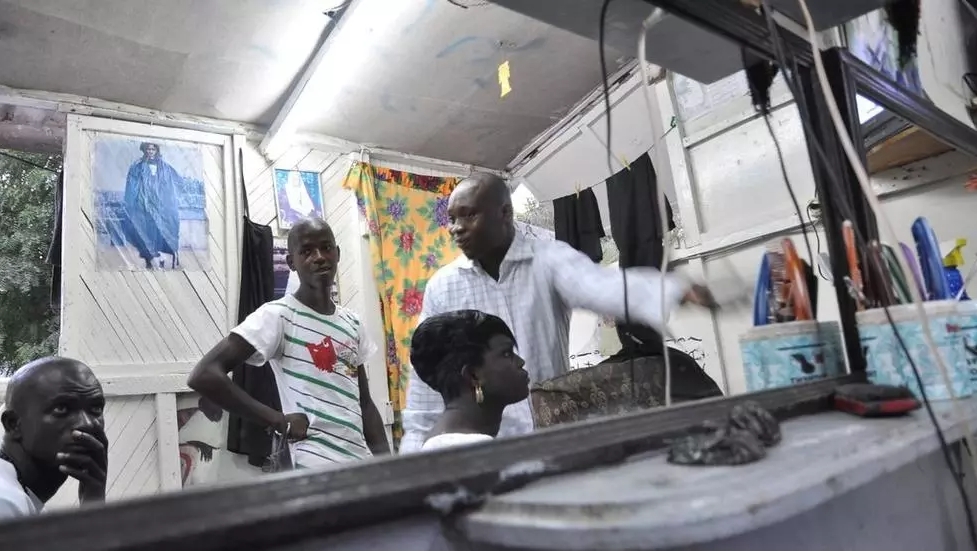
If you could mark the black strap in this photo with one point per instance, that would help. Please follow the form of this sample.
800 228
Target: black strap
244 188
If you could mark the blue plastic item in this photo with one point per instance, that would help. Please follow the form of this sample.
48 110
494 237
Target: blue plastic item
930 261
955 283
761 295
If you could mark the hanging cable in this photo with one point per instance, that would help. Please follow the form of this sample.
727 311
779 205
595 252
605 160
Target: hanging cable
31 163
649 22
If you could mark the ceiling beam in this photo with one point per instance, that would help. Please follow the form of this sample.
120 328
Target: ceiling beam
85 105
285 123
328 143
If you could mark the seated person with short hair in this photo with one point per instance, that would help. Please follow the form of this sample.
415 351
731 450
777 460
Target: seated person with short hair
53 429
468 357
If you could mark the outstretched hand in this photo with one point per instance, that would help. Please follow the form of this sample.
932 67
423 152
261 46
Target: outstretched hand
86 460
700 295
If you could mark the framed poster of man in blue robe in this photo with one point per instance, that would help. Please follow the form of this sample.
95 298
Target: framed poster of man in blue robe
150 205
297 196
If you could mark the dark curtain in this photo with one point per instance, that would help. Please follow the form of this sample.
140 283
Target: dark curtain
257 288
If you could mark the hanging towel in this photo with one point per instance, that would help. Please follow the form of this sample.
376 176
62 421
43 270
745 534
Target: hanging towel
257 288
632 198
576 219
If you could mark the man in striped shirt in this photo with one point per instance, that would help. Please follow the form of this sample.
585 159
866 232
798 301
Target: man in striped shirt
316 350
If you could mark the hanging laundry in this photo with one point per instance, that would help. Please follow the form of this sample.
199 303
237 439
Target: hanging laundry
576 220
257 287
632 197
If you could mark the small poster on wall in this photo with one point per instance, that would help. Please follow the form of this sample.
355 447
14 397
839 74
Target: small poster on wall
297 196
150 205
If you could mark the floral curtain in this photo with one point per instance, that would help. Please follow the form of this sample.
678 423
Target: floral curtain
407 216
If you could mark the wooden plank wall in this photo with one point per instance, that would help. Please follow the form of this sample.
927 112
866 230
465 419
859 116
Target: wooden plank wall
143 317
141 331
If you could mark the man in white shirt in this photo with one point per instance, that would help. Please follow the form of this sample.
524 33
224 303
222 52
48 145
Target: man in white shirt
532 285
53 429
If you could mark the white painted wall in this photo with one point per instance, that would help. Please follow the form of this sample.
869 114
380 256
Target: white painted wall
942 52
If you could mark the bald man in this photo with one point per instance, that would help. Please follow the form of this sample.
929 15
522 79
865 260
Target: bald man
53 429
316 349
532 285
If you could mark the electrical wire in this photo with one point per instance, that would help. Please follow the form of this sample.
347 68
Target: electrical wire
606 92
863 181
646 25
31 163
817 243
790 189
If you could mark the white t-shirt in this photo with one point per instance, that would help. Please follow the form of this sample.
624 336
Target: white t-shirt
315 359
15 501
456 439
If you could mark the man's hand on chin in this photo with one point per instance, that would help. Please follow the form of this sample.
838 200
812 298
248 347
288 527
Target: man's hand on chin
86 460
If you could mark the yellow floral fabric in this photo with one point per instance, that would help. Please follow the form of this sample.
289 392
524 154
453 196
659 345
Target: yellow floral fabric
407 216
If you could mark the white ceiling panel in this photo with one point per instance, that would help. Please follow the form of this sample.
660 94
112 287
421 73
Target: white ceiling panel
228 59
426 84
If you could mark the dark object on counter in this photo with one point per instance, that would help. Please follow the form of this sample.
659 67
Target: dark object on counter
749 416
873 400
739 439
722 445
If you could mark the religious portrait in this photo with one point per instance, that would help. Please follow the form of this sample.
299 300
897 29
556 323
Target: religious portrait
297 196
150 205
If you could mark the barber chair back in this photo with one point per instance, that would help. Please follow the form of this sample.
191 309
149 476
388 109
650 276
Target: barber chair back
611 388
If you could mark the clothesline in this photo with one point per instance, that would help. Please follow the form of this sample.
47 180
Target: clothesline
31 163
623 160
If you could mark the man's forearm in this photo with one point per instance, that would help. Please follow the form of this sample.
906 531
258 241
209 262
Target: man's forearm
374 431
222 391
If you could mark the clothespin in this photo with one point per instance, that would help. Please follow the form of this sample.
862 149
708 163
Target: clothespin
577 187
624 162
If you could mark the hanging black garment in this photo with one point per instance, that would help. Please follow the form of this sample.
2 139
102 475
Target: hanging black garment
632 198
54 251
257 288
576 221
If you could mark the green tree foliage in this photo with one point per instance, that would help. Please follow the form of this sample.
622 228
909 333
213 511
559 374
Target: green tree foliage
28 323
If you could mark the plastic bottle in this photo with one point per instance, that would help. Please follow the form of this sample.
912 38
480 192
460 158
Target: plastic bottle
951 263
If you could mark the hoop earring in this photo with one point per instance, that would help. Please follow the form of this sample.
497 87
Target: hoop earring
479 395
